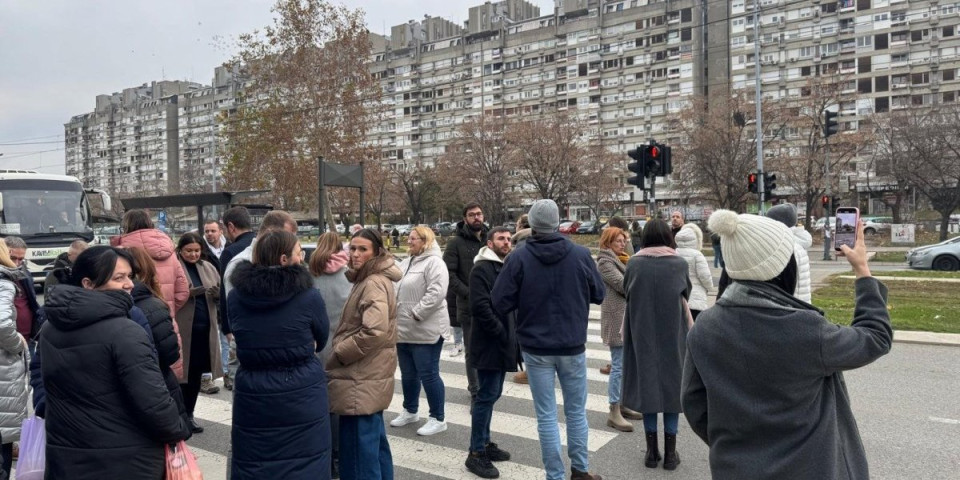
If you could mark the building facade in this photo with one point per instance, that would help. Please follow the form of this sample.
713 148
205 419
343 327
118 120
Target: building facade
625 66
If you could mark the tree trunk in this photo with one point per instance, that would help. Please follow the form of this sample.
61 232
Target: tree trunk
944 224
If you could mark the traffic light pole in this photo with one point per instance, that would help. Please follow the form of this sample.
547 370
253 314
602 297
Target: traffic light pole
653 198
826 177
757 99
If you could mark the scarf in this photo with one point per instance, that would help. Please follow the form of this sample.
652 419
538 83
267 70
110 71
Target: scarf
336 262
624 258
664 252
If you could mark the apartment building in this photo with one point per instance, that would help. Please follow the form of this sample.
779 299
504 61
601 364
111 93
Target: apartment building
625 66
153 139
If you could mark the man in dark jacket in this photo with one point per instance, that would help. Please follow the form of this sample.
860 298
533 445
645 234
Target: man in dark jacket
763 375
494 352
551 283
238 230
459 255
64 260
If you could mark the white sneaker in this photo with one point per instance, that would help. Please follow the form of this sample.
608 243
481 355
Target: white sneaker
432 427
457 350
405 418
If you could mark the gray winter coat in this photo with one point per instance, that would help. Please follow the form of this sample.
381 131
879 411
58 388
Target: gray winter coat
334 288
13 360
654 333
763 383
421 298
615 303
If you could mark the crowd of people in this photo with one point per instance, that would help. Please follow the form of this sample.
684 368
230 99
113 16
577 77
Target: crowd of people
130 334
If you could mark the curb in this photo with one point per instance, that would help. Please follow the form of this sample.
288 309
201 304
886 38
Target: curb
906 279
926 338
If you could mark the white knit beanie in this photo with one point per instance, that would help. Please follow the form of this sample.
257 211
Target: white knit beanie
754 247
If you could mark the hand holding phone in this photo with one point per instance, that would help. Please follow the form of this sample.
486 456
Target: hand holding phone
195 291
857 256
847 226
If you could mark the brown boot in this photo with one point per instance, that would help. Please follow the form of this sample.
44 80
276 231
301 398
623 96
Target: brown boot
578 475
615 420
606 369
228 382
630 414
208 387
521 377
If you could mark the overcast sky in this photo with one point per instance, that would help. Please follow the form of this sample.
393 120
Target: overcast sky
56 56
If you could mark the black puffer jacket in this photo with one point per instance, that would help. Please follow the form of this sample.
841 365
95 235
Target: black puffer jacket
165 339
493 340
459 255
109 412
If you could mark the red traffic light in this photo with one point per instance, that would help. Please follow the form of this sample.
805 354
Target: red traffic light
825 200
654 152
752 178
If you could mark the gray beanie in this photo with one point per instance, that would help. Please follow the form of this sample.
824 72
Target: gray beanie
544 216
785 213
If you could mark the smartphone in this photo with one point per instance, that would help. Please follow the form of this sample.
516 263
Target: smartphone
847 220
197 291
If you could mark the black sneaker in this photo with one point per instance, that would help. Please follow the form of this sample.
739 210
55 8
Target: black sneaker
495 454
479 465
195 426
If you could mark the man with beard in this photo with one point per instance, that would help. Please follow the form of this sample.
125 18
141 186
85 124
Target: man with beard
676 221
494 352
459 255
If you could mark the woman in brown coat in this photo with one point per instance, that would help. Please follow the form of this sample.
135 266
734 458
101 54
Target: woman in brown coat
363 360
197 322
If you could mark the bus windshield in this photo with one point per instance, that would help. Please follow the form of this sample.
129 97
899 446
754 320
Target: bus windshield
31 212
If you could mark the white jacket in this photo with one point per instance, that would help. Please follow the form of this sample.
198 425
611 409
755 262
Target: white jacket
422 298
802 241
701 280
13 362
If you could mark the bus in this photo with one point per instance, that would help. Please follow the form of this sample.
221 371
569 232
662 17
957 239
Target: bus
49 212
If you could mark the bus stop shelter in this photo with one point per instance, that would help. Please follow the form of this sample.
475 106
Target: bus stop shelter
198 200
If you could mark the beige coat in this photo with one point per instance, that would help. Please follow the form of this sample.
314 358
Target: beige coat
364 349
210 278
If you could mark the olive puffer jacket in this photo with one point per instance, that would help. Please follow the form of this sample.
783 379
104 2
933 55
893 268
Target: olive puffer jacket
364 356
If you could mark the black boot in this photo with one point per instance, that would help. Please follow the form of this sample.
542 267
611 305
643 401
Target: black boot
670 457
195 426
479 464
653 451
335 465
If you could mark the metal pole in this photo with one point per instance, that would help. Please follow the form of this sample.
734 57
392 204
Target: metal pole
828 192
757 99
363 195
653 198
321 193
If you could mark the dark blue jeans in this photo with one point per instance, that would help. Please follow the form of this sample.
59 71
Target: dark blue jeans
364 450
420 364
489 388
671 421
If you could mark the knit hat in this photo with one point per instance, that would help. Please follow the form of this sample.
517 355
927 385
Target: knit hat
544 216
754 247
689 236
785 213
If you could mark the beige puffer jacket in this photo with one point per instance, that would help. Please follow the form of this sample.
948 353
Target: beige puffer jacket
364 348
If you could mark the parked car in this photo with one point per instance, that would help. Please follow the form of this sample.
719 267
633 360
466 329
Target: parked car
568 228
941 256
875 225
307 248
444 229
512 226
102 234
405 229
590 227
818 225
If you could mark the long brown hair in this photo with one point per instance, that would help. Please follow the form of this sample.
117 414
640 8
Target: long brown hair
327 245
146 270
273 245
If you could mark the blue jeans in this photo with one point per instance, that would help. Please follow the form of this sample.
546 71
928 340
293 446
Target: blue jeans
364 450
670 422
225 353
490 387
572 371
420 364
458 336
615 383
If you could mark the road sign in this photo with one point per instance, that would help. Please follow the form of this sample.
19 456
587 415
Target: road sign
902 233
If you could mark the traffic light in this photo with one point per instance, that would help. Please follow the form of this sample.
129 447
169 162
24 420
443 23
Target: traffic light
653 159
825 201
752 183
637 166
769 183
830 125
666 165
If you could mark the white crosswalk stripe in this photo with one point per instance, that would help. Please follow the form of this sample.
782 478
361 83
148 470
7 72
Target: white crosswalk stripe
437 456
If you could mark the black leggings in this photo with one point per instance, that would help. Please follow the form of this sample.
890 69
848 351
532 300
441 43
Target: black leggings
199 363
7 451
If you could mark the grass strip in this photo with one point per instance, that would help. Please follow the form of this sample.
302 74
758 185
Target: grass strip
925 306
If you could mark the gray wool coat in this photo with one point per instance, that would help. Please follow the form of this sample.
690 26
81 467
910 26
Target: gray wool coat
654 333
763 383
615 303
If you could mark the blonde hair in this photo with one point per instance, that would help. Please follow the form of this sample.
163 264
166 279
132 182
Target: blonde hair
610 235
426 234
5 256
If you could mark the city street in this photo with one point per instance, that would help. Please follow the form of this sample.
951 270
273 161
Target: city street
905 405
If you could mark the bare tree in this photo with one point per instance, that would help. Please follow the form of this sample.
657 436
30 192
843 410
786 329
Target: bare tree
478 163
309 94
718 150
600 186
381 194
803 160
927 141
418 186
889 166
549 154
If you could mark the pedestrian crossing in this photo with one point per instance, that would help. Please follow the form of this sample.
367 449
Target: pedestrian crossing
441 456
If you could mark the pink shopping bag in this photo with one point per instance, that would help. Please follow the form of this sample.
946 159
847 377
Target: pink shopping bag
181 464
